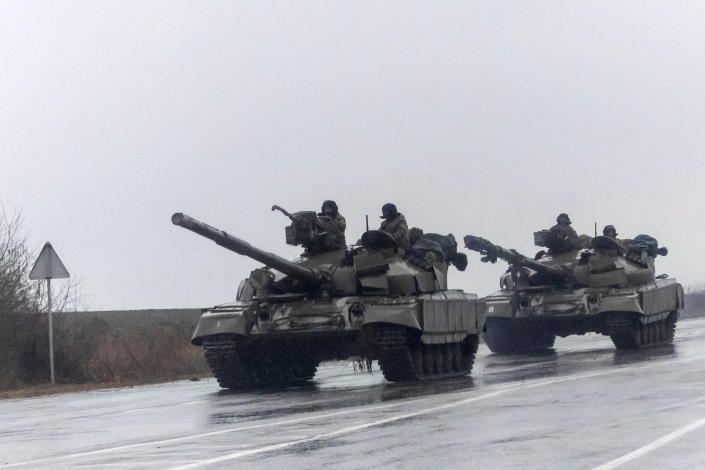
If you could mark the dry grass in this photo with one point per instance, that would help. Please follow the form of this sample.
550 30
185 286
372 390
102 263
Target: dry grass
47 389
117 347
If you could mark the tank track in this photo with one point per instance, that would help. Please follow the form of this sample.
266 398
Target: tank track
240 365
509 336
627 333
404 358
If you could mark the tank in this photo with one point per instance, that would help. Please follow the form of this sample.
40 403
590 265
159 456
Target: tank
604 286
368 302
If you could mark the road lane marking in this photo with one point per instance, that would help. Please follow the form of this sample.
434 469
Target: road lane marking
358 427
208 434
351 429
509 388
339 432
662 441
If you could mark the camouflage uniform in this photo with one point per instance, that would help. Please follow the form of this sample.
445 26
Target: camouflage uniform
398 229
561 236
333 224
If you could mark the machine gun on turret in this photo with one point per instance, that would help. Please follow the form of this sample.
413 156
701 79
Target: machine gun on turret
315 233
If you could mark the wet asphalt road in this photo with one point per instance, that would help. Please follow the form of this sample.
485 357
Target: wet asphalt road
582 406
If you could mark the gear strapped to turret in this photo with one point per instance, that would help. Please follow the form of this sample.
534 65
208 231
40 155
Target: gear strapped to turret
430 249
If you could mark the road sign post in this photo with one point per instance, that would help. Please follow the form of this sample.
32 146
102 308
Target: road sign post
48 266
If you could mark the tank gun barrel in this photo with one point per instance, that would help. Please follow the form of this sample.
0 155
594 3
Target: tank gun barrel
491 252
243 248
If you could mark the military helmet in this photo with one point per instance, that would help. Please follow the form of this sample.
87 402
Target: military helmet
609 228
389 211
563 217
331 204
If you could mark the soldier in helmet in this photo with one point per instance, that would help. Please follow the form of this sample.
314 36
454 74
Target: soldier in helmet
610 231
330 220
562 237
394 224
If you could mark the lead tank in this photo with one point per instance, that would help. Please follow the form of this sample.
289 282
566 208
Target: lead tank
369 302
606 286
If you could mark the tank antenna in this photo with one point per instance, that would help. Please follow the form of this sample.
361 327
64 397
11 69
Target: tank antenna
367 223
595 228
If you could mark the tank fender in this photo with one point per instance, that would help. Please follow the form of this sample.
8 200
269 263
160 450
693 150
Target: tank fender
234 321
395 314
621 303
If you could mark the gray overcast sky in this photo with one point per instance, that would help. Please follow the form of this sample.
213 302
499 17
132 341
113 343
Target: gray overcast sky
473 117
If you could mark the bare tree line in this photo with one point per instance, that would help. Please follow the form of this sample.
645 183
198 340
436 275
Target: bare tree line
89 347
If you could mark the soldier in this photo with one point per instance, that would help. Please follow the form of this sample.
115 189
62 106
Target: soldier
561 236
394 224
610 231
333 222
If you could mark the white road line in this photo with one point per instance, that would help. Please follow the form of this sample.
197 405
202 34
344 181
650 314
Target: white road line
209 434
192 402
346 412
651 446
351 429
136 410
283 445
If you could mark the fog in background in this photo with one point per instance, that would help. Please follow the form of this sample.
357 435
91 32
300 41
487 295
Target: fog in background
485 118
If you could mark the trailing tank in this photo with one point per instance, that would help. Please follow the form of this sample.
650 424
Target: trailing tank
373 301
605 286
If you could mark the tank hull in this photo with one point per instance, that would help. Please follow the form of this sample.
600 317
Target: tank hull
526 320
416 337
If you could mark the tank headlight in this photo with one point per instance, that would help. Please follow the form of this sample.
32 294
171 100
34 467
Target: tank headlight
356 311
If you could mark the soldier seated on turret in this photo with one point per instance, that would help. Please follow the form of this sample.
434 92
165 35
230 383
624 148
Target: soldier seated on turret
394 224
562 237
610 231
331 221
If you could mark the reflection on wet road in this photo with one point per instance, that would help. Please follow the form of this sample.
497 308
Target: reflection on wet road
581 405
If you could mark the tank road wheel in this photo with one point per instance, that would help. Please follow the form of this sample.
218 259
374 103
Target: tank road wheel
404 358
395 354
670 326
511 336
224 361
272 371
627 332
238 364
429 363
468 349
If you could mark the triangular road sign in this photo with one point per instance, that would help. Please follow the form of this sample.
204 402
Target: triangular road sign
48 265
